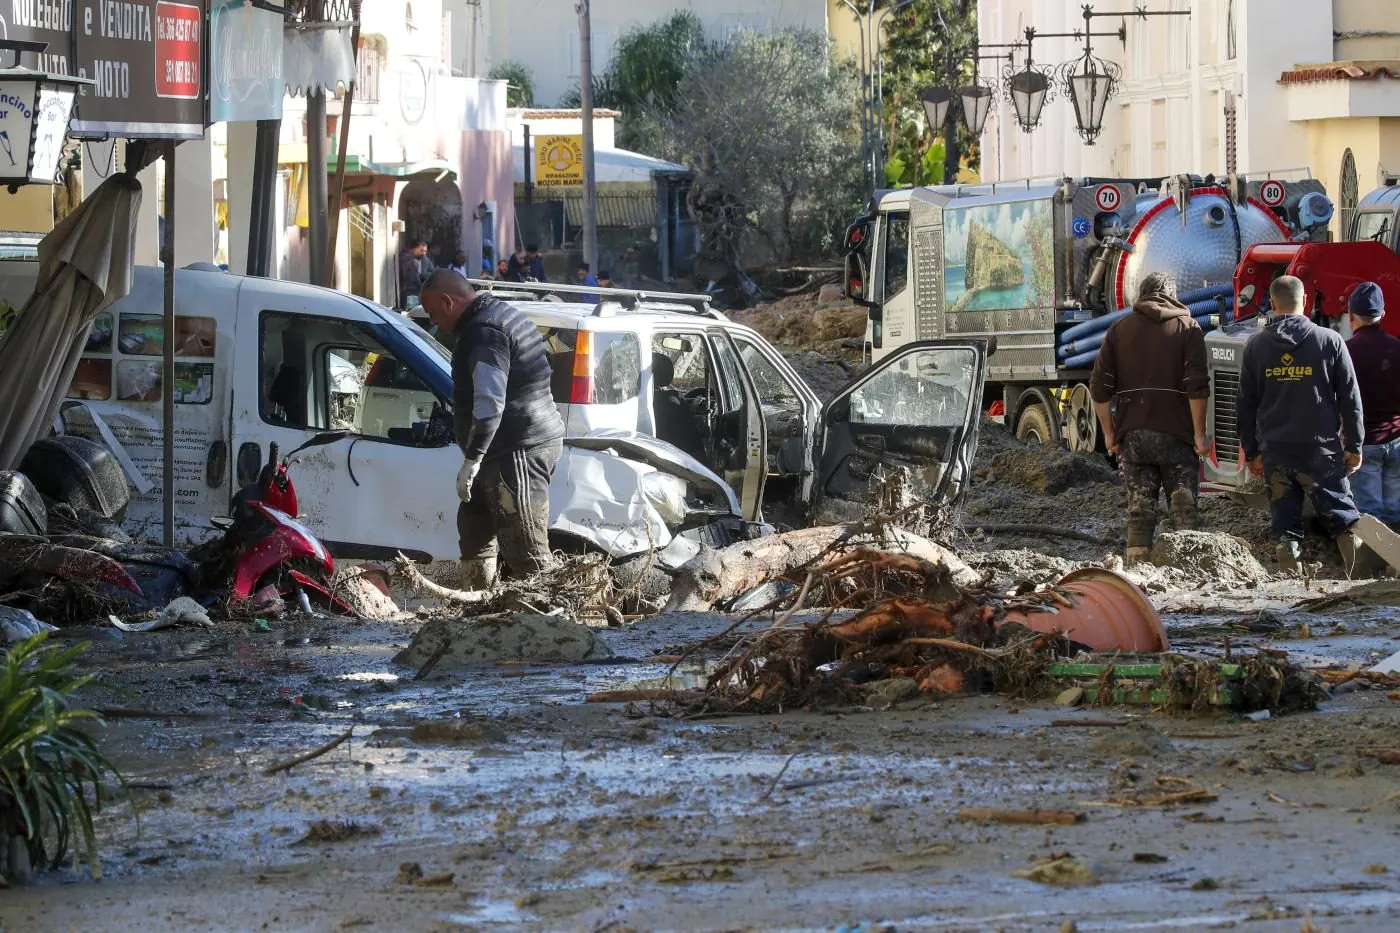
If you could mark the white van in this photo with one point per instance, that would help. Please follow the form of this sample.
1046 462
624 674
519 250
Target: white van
261 361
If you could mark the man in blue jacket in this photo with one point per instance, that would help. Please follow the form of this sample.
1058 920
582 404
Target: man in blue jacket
1300 423
507 425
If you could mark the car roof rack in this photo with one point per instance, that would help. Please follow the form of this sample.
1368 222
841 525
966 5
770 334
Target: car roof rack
629 298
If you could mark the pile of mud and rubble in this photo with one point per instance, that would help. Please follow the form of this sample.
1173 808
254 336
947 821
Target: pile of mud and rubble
821 335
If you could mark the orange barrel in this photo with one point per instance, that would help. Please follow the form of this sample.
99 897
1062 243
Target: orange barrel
1110 613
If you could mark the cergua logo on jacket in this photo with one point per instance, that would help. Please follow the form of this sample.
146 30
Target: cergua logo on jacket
1288 371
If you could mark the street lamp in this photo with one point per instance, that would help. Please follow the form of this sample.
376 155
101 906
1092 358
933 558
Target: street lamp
35 107
936 100
976 105
1090 81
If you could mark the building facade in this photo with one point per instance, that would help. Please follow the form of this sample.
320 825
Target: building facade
543 35
1254 86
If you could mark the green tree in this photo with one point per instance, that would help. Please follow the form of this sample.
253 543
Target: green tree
928 43
521 90
647 67
766 121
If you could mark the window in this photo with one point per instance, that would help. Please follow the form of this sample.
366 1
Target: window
733 373
324 374
1347 192
926 389
617 364
773 388
896 255
1231 51
1373 225
690 363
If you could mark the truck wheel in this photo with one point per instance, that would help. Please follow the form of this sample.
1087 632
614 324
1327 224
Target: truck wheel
1033 426
1083 422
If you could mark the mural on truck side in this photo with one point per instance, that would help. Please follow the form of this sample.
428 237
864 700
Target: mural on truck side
998 257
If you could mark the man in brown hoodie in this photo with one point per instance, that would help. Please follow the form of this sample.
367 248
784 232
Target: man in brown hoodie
1150 387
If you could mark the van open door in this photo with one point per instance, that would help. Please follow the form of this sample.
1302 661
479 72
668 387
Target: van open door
918 409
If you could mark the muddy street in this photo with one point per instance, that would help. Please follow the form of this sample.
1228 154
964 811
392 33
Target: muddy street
501 798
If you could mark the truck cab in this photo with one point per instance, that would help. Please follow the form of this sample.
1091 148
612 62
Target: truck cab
1377 216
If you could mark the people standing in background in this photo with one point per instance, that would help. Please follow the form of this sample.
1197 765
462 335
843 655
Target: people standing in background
1300 423
503 271
605 279
536 263
1150 386
459 263
414 269
1376 357
582 276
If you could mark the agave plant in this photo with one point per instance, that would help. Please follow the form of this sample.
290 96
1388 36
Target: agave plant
51 773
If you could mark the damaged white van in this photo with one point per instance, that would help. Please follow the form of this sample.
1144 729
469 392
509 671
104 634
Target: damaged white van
261 361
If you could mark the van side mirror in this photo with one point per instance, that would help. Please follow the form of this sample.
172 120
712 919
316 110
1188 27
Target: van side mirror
856 284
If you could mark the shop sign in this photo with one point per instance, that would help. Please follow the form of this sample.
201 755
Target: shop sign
245 62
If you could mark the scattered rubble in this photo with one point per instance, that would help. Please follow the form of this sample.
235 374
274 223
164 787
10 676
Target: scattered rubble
1209 555
447 644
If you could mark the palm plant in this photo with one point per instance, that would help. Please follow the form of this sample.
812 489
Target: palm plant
51 772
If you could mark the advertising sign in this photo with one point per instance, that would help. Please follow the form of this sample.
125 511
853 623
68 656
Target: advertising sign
49 21
245 62
559 161
147 60
999 257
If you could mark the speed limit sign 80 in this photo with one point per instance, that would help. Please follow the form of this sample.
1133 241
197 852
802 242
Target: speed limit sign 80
1107 198
1271 193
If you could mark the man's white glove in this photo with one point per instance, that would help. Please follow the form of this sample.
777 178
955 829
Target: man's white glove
465 477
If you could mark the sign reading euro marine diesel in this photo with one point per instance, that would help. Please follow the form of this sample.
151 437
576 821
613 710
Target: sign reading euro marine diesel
147 60
245 62
559 161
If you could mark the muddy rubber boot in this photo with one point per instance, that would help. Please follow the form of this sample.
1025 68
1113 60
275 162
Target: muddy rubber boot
1353 553
1137 555
1287 554
478 574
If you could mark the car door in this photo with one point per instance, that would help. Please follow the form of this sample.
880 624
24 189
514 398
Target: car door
313 362
916 409
790 407
740 433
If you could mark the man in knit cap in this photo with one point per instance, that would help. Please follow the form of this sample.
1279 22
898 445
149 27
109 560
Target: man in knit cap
1376 358
1150 387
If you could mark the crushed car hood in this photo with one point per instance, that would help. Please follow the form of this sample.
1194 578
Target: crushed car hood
661 455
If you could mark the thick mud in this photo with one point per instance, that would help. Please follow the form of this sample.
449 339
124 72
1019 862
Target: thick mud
552 813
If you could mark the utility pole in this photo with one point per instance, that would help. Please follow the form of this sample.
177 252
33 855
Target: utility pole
590 181
317 184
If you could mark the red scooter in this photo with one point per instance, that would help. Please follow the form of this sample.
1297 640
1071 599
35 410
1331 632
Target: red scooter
263 543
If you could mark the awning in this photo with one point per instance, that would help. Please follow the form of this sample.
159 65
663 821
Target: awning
317 55
434 169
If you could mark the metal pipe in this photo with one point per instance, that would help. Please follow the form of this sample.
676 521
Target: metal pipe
167 381
347 105
590 181
865 157
318 202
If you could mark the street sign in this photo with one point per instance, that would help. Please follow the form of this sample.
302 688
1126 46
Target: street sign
147 60
1271 193
1107 198
559 161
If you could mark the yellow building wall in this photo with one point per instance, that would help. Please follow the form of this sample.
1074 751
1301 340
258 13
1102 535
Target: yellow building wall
1374 144
1365 29
30 209
844 29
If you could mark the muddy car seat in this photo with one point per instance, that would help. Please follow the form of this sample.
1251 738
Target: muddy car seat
675 422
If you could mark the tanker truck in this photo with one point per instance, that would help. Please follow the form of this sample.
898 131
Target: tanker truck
1369 252
1041 267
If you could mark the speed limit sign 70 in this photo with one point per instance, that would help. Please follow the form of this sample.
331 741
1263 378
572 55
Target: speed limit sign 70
1107 198
1271 193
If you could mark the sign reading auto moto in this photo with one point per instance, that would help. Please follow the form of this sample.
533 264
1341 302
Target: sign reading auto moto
147 60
